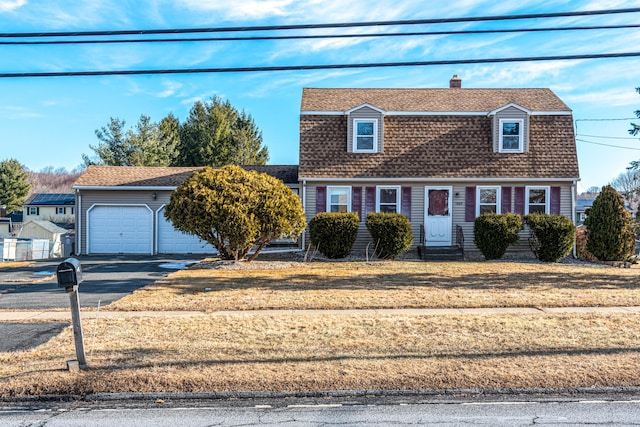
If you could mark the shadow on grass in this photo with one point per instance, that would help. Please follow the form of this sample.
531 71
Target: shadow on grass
125 363
398 281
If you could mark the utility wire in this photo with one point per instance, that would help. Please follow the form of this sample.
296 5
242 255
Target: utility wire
320 36
607 145
316 26
315 67
607 137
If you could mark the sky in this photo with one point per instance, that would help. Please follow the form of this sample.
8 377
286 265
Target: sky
51 121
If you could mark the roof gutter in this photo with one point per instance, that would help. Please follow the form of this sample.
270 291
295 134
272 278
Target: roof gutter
387 179
124 187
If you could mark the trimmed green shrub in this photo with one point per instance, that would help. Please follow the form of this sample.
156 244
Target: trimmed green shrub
609 226
553 236
391 234
494 233
334 233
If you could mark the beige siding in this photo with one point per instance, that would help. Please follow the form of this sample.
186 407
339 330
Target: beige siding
48 213
365 113
510 113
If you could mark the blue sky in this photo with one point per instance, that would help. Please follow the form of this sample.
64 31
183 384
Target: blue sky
51 121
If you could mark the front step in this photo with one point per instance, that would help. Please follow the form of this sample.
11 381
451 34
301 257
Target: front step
440 253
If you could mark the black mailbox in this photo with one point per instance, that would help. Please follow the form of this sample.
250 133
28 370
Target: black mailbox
69 273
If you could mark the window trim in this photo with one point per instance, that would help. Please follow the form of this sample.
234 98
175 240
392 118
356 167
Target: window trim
336 187
61 210
398 189
498 197
355 135
32 210
547 197
501 148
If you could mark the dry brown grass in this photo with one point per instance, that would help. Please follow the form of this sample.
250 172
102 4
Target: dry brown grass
321 352
310 352
13 264
398 284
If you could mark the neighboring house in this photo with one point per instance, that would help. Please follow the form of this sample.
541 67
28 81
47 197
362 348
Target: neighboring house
39 229
440 156
121 209
583 206
57 208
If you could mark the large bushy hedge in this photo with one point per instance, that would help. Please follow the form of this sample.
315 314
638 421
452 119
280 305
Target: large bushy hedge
391 233
334 233
553 236
494 233
610 235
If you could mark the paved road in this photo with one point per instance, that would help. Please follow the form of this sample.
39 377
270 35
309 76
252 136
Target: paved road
342 412
105 279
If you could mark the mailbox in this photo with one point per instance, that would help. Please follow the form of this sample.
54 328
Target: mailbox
69 273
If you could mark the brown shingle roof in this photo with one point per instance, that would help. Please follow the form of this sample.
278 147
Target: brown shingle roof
434 100
151 176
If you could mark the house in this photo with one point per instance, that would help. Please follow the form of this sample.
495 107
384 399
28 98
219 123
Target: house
440 156
120 209
57 208
583 206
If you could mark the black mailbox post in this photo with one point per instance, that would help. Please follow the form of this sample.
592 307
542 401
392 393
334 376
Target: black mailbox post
69 274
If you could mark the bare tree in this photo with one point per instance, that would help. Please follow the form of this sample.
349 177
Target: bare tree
628 185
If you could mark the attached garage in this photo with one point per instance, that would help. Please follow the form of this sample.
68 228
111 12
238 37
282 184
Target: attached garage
172 241
119 230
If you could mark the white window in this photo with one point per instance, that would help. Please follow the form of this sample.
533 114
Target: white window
61 211
365 135
511 135
536 200
338 199
33 210
487 200
388 199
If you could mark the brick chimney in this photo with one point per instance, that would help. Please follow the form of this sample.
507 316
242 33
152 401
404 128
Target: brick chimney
455 82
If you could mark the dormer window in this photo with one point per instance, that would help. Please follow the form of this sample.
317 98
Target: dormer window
365 135
511 136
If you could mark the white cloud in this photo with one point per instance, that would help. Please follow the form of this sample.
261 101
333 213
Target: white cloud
615 97
11 5
15 112
170 89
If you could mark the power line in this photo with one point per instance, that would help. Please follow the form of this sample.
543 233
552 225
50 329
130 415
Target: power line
315 67
317 26
608 137
607 145
320 36
605 120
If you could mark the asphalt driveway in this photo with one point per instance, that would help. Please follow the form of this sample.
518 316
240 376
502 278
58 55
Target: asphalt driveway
105 279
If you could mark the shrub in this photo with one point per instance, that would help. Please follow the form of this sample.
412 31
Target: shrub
609 226
493 233
391 233
581 246
334 233
553 236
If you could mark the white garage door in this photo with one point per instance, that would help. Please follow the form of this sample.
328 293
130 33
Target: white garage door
120 230
172 241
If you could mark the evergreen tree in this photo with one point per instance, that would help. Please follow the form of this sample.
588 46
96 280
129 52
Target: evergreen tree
14 184
609 226
217 134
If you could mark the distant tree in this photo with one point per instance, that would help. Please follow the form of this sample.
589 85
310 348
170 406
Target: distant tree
635 131
53 180
147 144
14 184
217 134
628 185
610 235
236 210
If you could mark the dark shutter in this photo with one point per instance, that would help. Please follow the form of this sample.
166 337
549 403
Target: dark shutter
370 199
405 202
356 201
505 202
519 208
554 200
470 204
38 211
321 199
